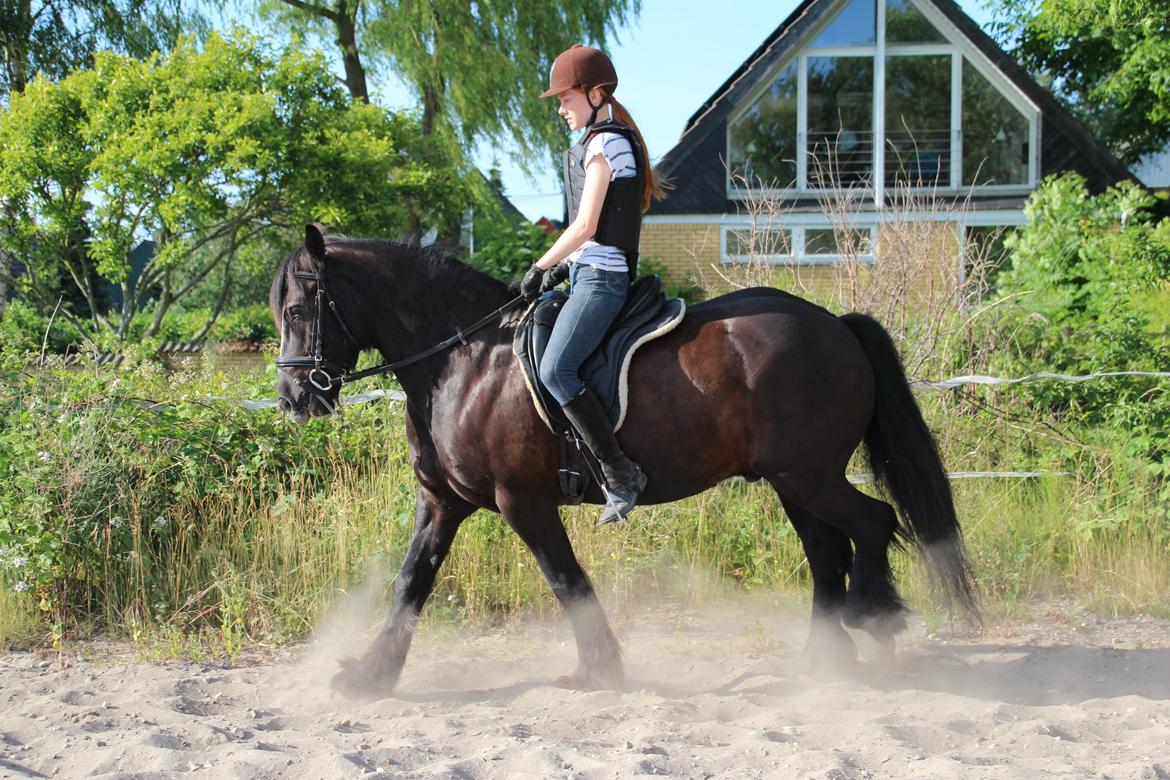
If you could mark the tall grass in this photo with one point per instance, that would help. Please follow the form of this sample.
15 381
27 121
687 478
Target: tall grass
264 560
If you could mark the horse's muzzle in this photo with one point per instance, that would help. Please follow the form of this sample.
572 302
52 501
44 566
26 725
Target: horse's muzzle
310 405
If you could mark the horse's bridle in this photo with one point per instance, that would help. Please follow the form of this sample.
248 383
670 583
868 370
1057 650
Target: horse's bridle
318 364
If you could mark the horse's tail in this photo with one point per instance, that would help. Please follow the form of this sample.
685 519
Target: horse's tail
906 465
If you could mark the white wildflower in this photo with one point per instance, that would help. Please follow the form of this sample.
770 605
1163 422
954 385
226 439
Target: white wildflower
21 587
19 562
116 521
44 456
132 555
160 522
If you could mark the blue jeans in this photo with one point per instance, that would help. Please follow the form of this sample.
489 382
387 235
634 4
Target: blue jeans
595 298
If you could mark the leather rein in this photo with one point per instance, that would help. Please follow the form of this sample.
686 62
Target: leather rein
319 376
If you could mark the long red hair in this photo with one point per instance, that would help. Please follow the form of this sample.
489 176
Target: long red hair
653 187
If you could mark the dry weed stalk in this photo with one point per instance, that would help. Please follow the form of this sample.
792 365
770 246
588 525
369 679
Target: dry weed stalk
920 279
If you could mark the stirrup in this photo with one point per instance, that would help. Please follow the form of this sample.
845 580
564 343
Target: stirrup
617 507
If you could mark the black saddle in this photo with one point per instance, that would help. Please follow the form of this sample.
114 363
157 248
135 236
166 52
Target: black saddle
646 315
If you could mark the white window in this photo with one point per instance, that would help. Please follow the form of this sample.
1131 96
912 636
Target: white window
798 245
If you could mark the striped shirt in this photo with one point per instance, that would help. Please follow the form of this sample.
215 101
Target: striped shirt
622 165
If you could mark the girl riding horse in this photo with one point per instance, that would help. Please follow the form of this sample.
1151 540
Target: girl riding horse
608 185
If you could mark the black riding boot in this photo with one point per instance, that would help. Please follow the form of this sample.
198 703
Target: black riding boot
623 477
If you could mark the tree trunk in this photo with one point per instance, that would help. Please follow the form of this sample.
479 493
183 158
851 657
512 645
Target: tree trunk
345 21
224 293
355 75
164 303
14 41
432 105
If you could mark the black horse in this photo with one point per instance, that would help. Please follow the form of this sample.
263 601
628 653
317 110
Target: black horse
757 383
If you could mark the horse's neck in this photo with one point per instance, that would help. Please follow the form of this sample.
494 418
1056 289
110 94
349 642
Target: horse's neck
423 304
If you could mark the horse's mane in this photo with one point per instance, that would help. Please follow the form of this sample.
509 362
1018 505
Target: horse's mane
438 266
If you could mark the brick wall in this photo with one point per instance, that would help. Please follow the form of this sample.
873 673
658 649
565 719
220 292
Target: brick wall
682 248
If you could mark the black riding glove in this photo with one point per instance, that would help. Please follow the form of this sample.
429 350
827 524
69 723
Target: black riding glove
530 284
554 276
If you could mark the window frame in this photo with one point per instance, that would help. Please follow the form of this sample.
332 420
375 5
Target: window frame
959 49
798 257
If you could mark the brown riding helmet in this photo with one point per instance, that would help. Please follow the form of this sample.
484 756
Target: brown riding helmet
580 66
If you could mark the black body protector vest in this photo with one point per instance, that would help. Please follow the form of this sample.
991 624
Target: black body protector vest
620 222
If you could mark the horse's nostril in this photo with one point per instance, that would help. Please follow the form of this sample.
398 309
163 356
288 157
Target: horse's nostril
284 404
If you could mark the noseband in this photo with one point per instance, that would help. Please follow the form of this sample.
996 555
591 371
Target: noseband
319 376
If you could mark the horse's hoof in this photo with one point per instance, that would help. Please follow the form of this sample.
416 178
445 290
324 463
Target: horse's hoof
828 654
357 681
882 649
585 680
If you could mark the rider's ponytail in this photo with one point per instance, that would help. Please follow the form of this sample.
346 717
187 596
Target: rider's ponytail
653 187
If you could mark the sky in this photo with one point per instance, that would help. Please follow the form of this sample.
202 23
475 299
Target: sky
670 60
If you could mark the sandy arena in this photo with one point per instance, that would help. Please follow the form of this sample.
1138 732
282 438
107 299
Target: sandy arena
709 695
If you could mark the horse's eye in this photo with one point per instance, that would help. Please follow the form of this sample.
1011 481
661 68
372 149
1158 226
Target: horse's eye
293 315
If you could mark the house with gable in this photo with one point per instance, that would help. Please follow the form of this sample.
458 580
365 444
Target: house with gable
875 103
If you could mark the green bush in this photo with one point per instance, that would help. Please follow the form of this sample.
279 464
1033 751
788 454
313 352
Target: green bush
1084 284
251 323
687 289
108 475
506 251
23 328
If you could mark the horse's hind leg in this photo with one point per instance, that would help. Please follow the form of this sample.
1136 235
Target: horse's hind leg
600 659
376 672
871 602
829 555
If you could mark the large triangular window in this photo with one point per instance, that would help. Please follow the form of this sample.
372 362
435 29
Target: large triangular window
854 25
763 138
906 24
880 106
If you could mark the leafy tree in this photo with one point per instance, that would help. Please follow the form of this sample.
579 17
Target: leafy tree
1109 62
210 152
53 37
476 68
1088 280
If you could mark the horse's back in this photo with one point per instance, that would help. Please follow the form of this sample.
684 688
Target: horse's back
745 376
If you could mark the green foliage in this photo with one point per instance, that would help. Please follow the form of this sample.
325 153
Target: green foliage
1110 63
50 38
507 251
686 288
104 490
23 328
476 68
210 151
252 324
1083 273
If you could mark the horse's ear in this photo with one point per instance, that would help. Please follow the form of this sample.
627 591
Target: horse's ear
315 240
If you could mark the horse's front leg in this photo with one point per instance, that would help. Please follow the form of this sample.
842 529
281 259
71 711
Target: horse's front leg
599 656
374 674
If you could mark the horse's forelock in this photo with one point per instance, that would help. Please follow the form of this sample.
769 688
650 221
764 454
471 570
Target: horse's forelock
280 284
